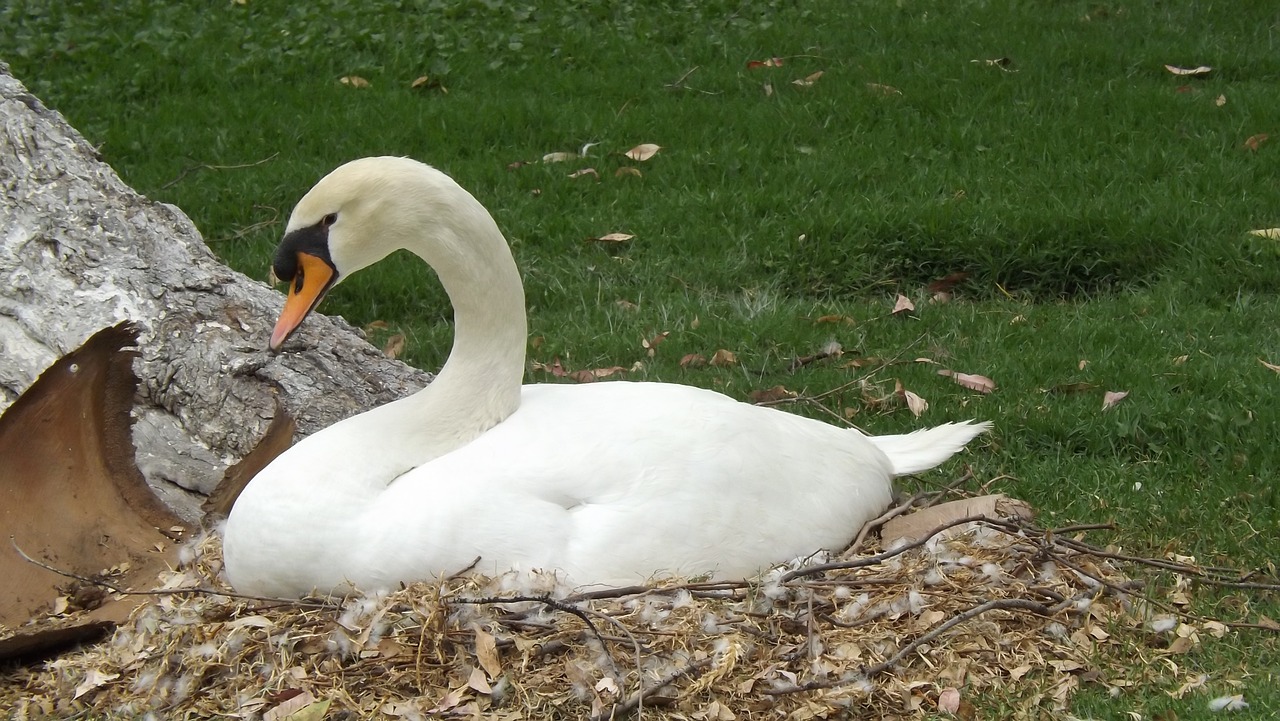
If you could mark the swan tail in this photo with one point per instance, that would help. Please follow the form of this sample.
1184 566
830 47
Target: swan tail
921 450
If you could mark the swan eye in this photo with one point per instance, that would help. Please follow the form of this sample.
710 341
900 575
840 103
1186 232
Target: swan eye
328 220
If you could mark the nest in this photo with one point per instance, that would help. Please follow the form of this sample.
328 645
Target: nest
993 615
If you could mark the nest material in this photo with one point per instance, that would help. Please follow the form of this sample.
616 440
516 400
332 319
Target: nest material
993 615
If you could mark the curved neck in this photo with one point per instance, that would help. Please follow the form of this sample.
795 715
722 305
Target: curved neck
479 385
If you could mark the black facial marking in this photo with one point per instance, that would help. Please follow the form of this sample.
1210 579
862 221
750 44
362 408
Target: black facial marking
312 240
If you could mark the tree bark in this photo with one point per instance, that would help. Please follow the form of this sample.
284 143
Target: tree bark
80 251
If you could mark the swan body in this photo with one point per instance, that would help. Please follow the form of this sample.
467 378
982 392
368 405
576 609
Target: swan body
604 483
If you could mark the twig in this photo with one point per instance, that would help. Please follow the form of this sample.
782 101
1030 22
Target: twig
205 166
199 590
877 558
636 699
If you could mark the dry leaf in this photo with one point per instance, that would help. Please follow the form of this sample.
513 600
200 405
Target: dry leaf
723 358
614 238
768 90
394 346
1229 703
376 325
1005 64
772 395
947 282
903 305
693 360
559 157
354 81
1220 100
1200 71
1268 233
585 171
981 384
513 165
314 711
643 152
884 89
555 368
427 83
487 653
766 63
1266 622
594 374
949 701
92 680
625 304
478 682
1110 398
808 80
915 403
1272 366
652 343
1253 142
627 170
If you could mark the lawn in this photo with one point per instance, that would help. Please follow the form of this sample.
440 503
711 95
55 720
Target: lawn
1098 203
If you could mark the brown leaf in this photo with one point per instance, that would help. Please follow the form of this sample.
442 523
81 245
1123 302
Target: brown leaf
1111 398
771 395
693 360
884 89
949 700
1253 142
487 653
903 305
625 304
643 152
915 403
1268 233
1220 100
426 83
516 164
722 358
354 81
627 170
1266 622
585 171
766 63
652 343
376 325
559 157
394 346
595 374
981 384
612 238
947 282
555 368
1195 72
808 80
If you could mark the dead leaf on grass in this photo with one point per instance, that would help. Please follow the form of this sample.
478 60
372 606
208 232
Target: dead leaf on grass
766 63
915 403
354 81
1196 72
722 358
808 80
772 395
883 89
394 346
903 305
559 157
643 152
594 374
1111 398
693 360
627 170
1253 142
583 172
973 382
1268 233
652 343
1272 366
612 238
835 318
949 701
1005 64
1220 100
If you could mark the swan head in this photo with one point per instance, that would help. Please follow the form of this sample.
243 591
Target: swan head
355 216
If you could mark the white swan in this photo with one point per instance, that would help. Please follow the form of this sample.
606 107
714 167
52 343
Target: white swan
608 482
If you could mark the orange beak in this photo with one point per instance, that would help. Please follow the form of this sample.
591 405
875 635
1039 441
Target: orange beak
306 290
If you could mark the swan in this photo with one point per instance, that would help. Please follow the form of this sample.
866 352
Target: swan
603 483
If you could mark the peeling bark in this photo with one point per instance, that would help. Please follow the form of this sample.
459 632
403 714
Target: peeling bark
80 251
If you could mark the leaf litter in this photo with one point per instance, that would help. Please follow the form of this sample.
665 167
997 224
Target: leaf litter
998 607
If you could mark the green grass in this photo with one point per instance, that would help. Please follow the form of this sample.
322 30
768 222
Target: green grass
1099 204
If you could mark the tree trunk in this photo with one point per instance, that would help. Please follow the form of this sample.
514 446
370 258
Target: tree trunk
80 251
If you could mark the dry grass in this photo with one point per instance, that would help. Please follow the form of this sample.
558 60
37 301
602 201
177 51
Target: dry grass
1013 617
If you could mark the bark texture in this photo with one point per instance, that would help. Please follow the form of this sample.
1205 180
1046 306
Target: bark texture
80 251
